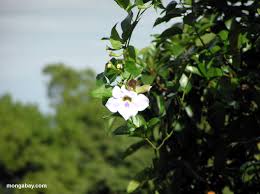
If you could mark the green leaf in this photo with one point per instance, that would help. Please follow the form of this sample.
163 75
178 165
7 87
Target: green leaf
177 126
115 39
140 4
214 72
132 186
122 130
167 17
127 26
138 121
249 170
159 21
101 79
142 89
160 104
110 123
185 85
133 148
148 79
130 52
188 2
177 48
193 70
189 19
189 111
132 68
202 69
123 3
171 32
234 43
171 12
183 81
153 122
172 5
101 92
206 38
223 35
226 190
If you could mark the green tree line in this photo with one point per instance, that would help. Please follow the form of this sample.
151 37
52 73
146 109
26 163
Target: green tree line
70 150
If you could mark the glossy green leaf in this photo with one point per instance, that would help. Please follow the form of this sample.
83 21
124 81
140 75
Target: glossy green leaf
143 89
193 70
183 81
132 186
132 68
160 104
127 26
123 3
115 39
138 121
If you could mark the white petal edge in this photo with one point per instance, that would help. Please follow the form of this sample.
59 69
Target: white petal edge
127 112
112 104
116 92
141 102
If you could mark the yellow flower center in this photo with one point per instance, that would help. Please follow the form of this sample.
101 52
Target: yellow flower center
127 98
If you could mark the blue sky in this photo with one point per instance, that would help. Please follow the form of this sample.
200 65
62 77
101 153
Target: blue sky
34 33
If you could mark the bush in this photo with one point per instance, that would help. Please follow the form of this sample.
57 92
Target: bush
203 120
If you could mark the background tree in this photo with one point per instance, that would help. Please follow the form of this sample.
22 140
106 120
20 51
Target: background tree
70 150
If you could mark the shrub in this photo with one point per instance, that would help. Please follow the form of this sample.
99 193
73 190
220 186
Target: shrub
203 120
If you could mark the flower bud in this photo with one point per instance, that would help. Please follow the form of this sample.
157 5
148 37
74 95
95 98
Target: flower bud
109 65
119 66
132 84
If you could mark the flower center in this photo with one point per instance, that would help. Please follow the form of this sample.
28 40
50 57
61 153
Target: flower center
127 98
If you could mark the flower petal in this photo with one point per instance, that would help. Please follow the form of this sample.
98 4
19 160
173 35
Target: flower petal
116 92
141 102
127 110
112 104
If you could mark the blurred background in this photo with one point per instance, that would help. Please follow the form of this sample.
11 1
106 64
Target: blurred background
51 131
34 33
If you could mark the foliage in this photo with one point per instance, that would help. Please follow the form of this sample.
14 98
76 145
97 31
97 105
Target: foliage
203 121
69 151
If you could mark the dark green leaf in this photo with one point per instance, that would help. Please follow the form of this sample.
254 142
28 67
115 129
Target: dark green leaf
126 26
122 130
189 19
133 148
130 50
123 3
115 39
171 32
153 122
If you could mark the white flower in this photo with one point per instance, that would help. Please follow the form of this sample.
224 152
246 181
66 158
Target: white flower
127 103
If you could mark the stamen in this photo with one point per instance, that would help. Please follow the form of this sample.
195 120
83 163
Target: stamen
127 98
